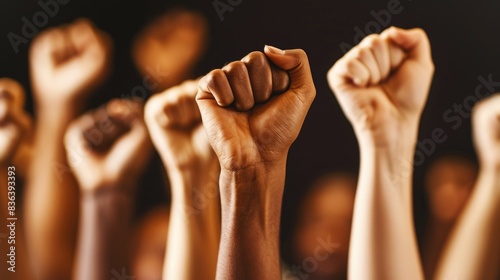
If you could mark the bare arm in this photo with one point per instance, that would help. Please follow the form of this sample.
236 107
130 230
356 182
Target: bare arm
107 169
473 250
251 218
67 63
251 133
194 229
174 123
51 221
382 85
103 236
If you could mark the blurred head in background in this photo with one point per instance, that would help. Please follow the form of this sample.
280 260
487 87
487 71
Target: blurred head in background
449 181
169 47
448 184
319 243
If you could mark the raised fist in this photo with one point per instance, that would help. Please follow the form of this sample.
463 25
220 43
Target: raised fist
15 123
174 123
68 62
383 83
486 125
253 111
109 147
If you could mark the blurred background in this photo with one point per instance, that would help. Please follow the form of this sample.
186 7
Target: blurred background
465 41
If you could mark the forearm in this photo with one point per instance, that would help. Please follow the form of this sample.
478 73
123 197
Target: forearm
194 230
383 240
251 209
51 201
103 235
473 250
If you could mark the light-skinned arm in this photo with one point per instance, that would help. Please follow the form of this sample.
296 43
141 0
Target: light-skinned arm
473 249
382 86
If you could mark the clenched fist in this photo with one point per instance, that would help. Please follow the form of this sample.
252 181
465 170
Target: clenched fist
175 126
68 62
383 83
253 111
486 121
174 122
108 147
15 123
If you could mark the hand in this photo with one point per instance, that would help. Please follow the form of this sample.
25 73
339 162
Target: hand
108 147
174 123
486 124
15 123
247 125
68 62
382 84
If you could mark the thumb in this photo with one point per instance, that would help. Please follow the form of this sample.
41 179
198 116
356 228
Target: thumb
297 64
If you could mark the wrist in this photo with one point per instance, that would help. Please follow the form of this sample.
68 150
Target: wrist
185 181
251 203
96 190
59 109
492 168
398 141
259 185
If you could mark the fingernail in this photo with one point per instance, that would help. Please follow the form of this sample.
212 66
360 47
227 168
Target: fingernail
275 50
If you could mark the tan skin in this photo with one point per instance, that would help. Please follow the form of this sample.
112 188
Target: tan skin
325 213
170 46
107 176
15 145
478 224
382 86
165 52
174 123
239 114
66 64
449 182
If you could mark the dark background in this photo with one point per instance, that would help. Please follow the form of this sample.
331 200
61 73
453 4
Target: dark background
465 37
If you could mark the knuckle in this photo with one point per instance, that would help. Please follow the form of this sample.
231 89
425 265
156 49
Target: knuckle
373 41
302 54
362 53
237 70
255 58
350 65
213 79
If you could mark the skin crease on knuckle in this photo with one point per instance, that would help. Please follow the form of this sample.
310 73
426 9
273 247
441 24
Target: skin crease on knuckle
241 88
216 83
